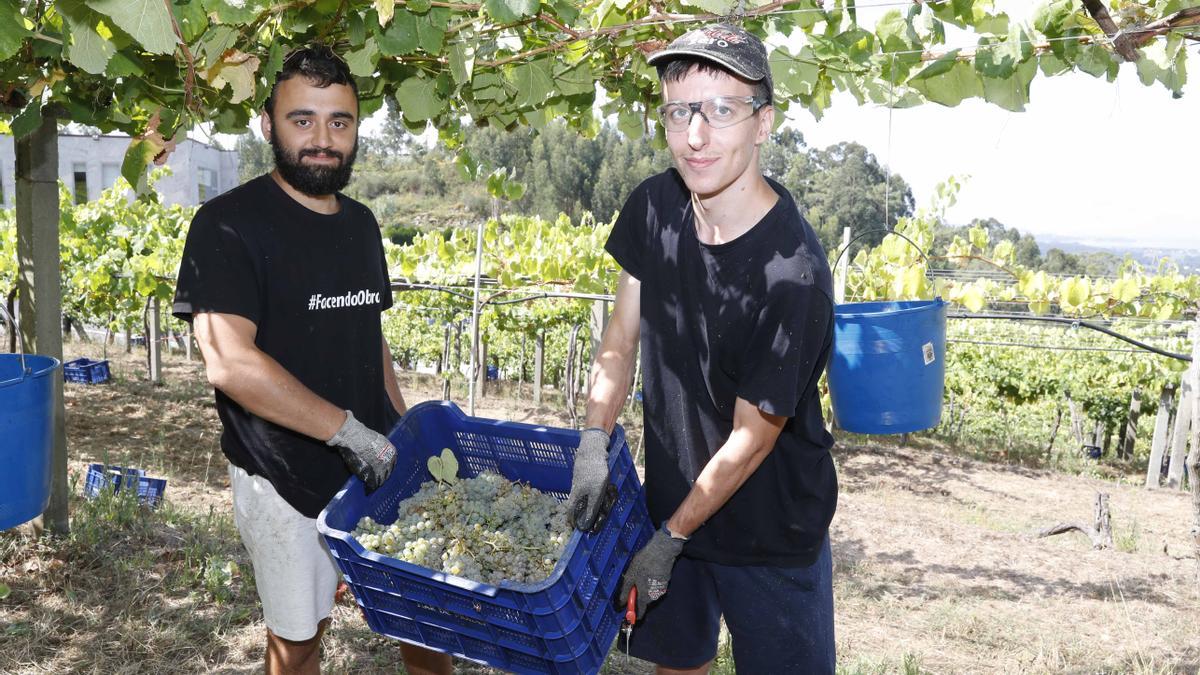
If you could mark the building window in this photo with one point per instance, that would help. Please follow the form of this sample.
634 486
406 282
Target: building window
109 174
81 193
206 184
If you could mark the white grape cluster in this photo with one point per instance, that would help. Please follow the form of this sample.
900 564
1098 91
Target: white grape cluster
485 528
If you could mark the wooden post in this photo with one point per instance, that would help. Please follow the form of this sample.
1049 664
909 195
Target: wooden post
599 324
153 343
1129 434
39 290
1076 420
187 336
539 357
1162 426
569 382
481 368
1179 435
1193 458
521 370
443 364
843 268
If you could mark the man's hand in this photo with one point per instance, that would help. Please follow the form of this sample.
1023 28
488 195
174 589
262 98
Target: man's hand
650 570
589 479
369 454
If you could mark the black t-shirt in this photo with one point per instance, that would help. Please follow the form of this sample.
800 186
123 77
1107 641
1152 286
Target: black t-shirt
751 318
315 285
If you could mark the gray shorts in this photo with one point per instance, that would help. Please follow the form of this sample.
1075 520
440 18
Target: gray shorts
293 570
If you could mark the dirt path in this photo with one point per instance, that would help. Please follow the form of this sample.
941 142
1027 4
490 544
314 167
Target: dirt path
936 569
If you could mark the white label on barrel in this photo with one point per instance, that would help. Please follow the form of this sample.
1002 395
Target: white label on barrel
930 355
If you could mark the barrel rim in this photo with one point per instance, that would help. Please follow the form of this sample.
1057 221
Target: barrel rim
921 306
54 364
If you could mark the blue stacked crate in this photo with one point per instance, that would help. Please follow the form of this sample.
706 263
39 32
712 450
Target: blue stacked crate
564 624
117 478
87 371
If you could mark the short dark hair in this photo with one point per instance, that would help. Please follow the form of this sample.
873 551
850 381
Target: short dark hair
677 69
317 63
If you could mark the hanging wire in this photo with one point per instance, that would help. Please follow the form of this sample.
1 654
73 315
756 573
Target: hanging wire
529 295
1058 348
1075 322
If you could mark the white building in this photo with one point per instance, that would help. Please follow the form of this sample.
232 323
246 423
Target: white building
89 164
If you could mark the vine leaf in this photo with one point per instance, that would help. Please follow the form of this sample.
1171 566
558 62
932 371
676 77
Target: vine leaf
147 21
444 469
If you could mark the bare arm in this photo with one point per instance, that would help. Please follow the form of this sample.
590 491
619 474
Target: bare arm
753 438
236 366
390 383
612 371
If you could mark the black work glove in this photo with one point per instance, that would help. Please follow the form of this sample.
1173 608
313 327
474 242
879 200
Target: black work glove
368 454
588 479
650 570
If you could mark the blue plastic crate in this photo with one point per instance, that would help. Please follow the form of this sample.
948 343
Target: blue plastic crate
87 371
117 478
564 624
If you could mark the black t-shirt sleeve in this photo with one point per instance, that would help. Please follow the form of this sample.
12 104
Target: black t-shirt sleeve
627 241
216 273
790 335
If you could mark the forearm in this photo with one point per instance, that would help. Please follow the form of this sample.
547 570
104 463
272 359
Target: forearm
753 438
263 387
390 383
611 377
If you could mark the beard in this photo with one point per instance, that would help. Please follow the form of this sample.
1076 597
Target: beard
315 181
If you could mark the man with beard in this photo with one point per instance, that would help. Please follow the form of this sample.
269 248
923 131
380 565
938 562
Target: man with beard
284 280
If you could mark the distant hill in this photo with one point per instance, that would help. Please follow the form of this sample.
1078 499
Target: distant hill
1149 256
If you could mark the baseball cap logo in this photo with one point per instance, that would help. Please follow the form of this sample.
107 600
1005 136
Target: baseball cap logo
724 37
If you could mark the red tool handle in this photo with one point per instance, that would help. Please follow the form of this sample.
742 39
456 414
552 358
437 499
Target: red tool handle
631 607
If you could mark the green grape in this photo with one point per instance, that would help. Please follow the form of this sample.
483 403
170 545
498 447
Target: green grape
485 528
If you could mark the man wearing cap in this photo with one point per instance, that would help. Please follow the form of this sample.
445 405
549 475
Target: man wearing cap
728 292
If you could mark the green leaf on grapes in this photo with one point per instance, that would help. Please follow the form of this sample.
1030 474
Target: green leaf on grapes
444 469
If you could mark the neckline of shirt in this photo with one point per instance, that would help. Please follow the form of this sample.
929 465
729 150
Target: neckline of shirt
756 231
302 210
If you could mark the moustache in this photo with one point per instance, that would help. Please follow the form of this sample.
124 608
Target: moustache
314 152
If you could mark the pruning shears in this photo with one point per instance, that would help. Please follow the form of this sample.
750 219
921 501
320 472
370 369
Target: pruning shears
630 616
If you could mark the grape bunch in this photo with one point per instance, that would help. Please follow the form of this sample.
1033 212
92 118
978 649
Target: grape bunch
485 528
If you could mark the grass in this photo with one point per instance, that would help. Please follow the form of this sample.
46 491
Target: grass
153 585
1127 538
910 664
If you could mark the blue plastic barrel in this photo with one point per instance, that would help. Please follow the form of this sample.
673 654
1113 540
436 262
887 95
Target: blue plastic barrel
888 369
26 435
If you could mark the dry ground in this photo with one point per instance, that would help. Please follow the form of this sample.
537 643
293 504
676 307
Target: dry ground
935 567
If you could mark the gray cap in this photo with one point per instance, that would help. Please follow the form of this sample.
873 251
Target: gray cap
728 46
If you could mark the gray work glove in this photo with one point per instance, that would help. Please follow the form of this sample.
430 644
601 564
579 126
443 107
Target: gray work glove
650 570
368 454
588 479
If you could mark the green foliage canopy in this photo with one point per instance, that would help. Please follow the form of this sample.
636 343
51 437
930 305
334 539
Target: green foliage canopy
156 68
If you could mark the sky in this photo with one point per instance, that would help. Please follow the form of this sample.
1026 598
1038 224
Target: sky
1108 163
1112 163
